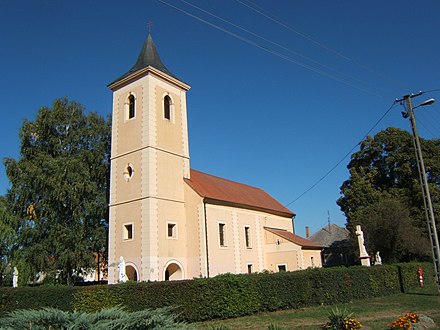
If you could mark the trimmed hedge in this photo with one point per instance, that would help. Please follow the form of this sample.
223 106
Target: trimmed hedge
60 297
228 295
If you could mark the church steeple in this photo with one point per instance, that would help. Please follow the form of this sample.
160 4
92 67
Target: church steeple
148 56
149 161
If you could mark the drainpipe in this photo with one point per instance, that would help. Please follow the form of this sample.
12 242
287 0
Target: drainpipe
206 239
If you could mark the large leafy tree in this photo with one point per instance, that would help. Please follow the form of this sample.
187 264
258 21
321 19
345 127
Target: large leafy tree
8 224
384 176
389 229
59 189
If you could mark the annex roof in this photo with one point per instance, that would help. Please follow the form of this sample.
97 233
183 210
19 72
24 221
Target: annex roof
291 237
216 190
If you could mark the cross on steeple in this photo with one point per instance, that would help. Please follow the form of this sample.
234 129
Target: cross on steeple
149 25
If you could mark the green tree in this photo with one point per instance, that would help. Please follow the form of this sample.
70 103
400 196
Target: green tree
59 189
385 170
388 228
7 238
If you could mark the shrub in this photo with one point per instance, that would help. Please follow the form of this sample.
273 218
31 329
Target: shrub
341 319
37 297
36 319
96 298
408 274
227 295
114 318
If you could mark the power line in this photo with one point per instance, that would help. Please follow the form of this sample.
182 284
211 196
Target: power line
426 128
428 123
314 40
351 150
343 158
287 58
432 90
434 121
276 44
425 122
306 66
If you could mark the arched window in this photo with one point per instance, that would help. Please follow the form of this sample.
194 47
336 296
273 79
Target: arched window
167 107
131 106
128 173
173 272
131 273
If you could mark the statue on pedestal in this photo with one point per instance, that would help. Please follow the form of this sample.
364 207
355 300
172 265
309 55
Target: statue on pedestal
121 270
377 259
363 255
15 277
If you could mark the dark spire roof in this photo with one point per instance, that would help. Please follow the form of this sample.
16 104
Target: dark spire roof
147 57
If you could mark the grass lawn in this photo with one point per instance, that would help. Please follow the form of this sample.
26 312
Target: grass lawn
373 313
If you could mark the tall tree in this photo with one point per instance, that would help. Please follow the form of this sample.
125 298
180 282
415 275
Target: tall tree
7 238
385 170
389 229
59 189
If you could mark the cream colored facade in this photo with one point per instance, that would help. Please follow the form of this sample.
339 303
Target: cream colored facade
162 227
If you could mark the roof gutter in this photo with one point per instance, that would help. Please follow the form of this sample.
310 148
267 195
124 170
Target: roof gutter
249 207
125 79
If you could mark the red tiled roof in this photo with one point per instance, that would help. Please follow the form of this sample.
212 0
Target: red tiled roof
291 237
225 192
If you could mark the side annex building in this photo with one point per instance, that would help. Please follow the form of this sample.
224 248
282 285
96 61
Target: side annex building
168 221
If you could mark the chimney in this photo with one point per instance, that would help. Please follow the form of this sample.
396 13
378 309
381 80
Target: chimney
307 232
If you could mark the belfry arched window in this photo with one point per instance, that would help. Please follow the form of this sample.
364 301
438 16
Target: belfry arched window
131 106
167 103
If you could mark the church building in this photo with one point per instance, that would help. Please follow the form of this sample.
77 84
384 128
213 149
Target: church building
169 221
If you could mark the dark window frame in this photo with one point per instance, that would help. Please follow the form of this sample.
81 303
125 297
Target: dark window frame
247 237
282 268
167 103
128 234
222 234
171 230
131 106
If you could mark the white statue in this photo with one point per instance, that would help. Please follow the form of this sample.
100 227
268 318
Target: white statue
121 270
378 259
15 277
363 255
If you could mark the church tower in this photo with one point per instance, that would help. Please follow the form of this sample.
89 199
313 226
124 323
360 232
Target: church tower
149 162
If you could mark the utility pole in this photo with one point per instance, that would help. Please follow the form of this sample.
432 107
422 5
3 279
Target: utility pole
429 211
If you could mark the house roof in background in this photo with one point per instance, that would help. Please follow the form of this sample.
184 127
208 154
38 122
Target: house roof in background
330 234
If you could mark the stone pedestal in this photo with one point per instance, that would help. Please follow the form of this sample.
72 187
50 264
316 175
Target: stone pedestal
365 261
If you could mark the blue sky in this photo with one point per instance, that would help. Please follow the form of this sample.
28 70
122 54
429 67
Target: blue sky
276 112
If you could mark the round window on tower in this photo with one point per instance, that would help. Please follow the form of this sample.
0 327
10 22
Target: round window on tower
128 172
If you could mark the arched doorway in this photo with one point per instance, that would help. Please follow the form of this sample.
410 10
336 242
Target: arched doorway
131 273
173 272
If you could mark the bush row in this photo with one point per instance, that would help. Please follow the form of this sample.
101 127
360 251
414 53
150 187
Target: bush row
106 319
227 295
